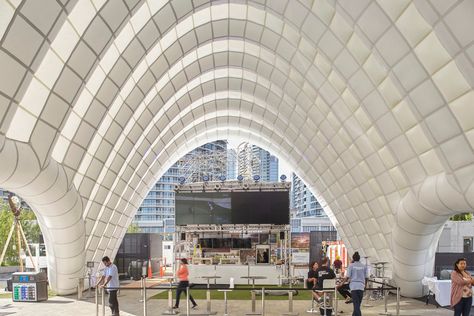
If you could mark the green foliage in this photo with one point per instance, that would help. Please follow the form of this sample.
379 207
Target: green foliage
461 217
30 227
133 228
303 294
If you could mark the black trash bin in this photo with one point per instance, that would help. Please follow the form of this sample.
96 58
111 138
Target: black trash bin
135 269
9 285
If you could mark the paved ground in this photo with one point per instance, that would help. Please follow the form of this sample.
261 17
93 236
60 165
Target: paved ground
130 305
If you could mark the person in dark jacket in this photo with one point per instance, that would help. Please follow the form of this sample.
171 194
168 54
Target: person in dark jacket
312 277
324 272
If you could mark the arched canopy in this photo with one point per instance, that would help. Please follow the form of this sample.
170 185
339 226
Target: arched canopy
368 100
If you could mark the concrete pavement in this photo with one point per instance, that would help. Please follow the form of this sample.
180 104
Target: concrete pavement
130 305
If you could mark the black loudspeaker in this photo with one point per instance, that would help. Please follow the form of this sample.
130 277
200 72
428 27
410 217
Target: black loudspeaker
183 236
282 235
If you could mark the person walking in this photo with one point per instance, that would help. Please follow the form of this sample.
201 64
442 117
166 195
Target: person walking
110 280
357 274
183 276
461 288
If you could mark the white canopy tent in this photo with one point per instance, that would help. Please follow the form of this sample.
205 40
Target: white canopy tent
369 101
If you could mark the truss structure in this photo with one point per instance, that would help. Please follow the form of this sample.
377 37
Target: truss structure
233 228
231 186
203 162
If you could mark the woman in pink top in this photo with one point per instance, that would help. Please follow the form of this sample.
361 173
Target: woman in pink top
461 289
183 275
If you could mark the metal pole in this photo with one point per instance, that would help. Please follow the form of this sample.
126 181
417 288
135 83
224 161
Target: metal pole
187 300
170 298
367 296
96 301
170 310
27 247
369 284
18 241
386 313
144 297
208 297
141 290
398 301
225 303
248 273
253 300
263 301
290 301
103 301
324 302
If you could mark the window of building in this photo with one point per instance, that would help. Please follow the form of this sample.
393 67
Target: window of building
467 244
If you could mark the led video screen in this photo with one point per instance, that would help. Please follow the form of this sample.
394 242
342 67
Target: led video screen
203 208
261 208
232 208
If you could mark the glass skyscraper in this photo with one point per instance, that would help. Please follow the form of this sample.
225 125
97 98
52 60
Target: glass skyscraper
231 164
307 214
304 202
253 160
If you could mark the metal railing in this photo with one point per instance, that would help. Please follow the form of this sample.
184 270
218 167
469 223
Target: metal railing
143 289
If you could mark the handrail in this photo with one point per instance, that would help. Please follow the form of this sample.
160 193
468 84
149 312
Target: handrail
144 290
103 302
386 287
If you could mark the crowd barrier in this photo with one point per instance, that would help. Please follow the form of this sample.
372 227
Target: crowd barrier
144 290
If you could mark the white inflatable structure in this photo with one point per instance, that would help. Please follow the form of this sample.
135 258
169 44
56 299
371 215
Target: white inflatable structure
370 101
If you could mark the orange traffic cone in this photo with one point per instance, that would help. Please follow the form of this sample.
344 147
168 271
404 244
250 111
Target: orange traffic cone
150 272
163 267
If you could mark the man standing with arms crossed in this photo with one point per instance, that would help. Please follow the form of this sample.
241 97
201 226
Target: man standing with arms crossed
110 280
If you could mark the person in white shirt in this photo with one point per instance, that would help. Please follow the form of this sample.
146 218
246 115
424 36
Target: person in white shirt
357 274
110 281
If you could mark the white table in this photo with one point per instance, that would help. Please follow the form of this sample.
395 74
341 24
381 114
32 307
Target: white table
441 290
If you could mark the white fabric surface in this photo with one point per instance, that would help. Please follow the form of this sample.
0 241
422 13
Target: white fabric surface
442 290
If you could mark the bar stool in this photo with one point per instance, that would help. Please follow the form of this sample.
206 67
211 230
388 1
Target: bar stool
329 283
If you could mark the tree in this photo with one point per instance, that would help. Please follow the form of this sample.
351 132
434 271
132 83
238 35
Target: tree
461 217
30 227
133 228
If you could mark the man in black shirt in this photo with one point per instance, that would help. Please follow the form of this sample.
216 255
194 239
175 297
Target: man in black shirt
312 277
322 273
